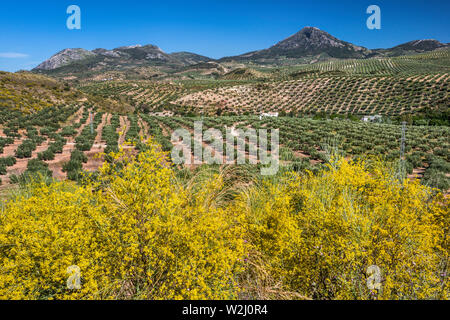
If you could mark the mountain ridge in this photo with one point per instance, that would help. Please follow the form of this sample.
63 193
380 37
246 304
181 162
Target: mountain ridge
308 45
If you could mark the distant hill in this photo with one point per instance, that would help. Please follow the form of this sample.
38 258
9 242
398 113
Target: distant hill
412 47
189 58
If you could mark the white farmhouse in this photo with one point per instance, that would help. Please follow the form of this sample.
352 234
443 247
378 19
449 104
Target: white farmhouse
269 114
376 118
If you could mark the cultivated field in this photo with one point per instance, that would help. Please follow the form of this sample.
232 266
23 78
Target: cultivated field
65 145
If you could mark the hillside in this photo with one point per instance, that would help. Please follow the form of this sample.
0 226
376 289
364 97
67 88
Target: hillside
413 47
334 95
189 58
27 92
245 74
426 63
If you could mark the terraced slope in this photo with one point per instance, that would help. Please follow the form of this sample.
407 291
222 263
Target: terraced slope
428 63
144 95
245 74
340 95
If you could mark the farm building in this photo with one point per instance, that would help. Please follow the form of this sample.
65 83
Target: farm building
269 114
376 118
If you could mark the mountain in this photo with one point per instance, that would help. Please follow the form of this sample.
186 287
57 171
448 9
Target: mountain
134 62
65 57
128 62
308 42
136 54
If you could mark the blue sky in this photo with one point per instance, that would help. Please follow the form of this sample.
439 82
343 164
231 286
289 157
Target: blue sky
32 31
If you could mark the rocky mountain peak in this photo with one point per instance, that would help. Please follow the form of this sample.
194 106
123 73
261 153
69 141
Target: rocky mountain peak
310 38
65 57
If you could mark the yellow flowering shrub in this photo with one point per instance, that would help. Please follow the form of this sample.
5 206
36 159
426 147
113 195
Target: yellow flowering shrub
320 234
134 234
41 236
